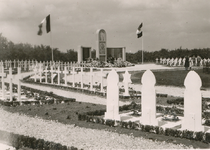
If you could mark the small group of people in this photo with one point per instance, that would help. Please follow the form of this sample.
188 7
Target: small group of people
192 61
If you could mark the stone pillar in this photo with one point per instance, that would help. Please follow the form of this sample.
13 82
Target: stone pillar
148 100
192 103
126 81
79 54
112 106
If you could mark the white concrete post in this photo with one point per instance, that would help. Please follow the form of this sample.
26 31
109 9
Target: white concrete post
148 100
112 106
192 103
126 81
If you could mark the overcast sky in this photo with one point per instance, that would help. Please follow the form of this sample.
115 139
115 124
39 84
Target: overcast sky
166 23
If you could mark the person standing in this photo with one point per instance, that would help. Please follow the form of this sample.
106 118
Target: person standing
186 64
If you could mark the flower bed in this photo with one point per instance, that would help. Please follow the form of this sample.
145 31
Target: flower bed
44 94
133 93
96 117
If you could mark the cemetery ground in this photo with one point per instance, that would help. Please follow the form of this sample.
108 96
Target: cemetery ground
68 113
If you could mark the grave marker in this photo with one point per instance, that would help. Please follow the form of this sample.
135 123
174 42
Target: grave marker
148 101
192 103
112 106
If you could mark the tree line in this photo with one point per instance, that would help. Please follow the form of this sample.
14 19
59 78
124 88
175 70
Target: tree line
25 51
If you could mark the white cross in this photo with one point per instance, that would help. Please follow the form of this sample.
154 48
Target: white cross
46 71
40 73
2 74
19 83
91 78
58 72
25 65
65 74
52 71
35 73
81 75
73 76
102 75
10 76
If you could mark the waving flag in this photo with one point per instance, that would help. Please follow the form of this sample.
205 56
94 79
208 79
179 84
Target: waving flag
47 20
139 32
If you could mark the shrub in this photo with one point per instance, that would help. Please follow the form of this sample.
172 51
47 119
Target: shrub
110 122
199 136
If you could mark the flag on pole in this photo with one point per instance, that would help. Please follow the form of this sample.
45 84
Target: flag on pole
139 32
48 29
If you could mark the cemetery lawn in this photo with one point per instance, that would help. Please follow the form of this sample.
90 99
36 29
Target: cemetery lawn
67 114
170 77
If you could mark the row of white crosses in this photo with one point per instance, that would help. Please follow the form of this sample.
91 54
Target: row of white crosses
30 64
10 76
181 61
192 100
39 70
91 75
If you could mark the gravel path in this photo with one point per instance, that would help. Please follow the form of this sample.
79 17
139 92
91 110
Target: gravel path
76 136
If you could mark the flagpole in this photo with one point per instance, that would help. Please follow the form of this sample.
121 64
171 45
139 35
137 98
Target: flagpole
142 50
51 44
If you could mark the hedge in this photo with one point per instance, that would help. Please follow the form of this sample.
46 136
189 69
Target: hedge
20 141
